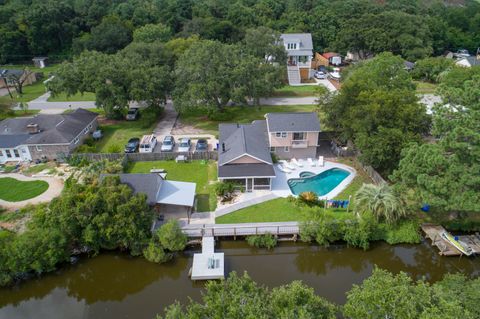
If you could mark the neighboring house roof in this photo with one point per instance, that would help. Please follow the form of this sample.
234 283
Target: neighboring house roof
237 140
5 73
305 40
469 61
328 55
292 122
158 190
53 129
409 65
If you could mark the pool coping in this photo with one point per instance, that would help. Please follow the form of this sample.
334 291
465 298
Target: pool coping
280 182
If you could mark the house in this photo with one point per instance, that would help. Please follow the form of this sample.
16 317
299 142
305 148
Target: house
245 151
9 76
44 136
299 47
40 61
169 198
469 61
244 156
293 134
408 66
332 58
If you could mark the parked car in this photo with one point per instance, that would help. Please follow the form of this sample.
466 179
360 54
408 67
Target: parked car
168 144
322 68
335 75
184 145
148 143
202 145
132 114
132 145
320 75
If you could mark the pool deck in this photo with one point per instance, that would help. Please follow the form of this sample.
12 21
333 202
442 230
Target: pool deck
280 185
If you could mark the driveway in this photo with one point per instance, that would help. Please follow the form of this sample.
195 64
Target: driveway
55 187
308 100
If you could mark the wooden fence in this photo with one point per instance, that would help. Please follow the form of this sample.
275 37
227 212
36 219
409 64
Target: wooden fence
141 157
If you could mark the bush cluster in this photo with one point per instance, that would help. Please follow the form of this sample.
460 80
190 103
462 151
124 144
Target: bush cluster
223 188
167 240
268 241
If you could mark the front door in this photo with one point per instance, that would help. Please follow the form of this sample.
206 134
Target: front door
249 187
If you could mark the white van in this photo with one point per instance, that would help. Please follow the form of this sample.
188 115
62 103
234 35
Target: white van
148 143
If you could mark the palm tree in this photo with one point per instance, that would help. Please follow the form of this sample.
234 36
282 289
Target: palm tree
381 201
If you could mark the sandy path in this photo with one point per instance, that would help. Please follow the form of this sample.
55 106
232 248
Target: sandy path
55 187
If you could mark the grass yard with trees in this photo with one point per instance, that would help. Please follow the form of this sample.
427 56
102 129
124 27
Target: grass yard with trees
202 173
13 190
296 91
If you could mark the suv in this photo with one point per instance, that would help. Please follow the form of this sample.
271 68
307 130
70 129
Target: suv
132 145
132 114
168 144
202 145
320 75
184 145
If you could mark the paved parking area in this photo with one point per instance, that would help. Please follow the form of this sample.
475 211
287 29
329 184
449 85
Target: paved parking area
212 143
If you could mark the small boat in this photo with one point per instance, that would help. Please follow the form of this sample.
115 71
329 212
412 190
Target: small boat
464 248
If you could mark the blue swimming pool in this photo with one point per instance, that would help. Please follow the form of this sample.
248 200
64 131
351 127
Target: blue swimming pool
320 184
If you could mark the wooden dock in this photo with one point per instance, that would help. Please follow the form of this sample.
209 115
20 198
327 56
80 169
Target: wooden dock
208 264
446 248
247 229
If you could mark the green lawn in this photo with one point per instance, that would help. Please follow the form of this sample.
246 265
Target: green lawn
18 113
200 172
13 190
425 87
276 210
296 91
238 114
87 96
116 135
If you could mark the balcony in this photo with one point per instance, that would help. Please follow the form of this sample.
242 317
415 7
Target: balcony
300 144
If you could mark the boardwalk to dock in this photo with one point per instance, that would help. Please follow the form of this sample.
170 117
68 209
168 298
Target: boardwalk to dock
433 232
247 229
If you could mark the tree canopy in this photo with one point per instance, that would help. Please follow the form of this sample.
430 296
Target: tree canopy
413 29
378 110
445 174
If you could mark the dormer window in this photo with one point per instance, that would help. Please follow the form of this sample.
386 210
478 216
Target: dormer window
291 46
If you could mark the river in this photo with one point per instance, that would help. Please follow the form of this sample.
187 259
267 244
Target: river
115 285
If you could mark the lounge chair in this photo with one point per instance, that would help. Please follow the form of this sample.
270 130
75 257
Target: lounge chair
321 161
294 161
283 169
287 165
311 162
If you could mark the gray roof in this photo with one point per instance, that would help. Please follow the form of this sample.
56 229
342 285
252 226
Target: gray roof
54 129
293 122
243 139
472 60
305 40
159 191
246 170
409 65
11 72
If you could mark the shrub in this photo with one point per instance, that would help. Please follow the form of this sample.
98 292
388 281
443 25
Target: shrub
358 232
114 148
262 241
171 237
309 198
404 232
223 188
85 149
155 253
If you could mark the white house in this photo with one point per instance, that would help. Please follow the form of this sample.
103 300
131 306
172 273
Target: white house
299 47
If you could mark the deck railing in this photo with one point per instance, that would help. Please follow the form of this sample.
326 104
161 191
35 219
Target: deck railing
216 230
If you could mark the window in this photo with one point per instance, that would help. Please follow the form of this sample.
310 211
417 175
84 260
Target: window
24 151
85 130
272 149
1 153
281 134
89 126
291 46
75 140
15 152
286 149
38 148
284 134
299 136
9 155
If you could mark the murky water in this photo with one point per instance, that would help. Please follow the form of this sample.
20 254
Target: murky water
113 285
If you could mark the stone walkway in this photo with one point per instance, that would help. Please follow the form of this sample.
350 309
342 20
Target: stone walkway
55 187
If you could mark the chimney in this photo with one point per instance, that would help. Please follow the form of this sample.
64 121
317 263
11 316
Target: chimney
32 128
223 147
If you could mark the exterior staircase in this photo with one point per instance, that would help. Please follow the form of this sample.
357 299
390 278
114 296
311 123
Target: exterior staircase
293 75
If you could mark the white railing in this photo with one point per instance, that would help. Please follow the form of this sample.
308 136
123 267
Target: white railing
300 144
285 228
